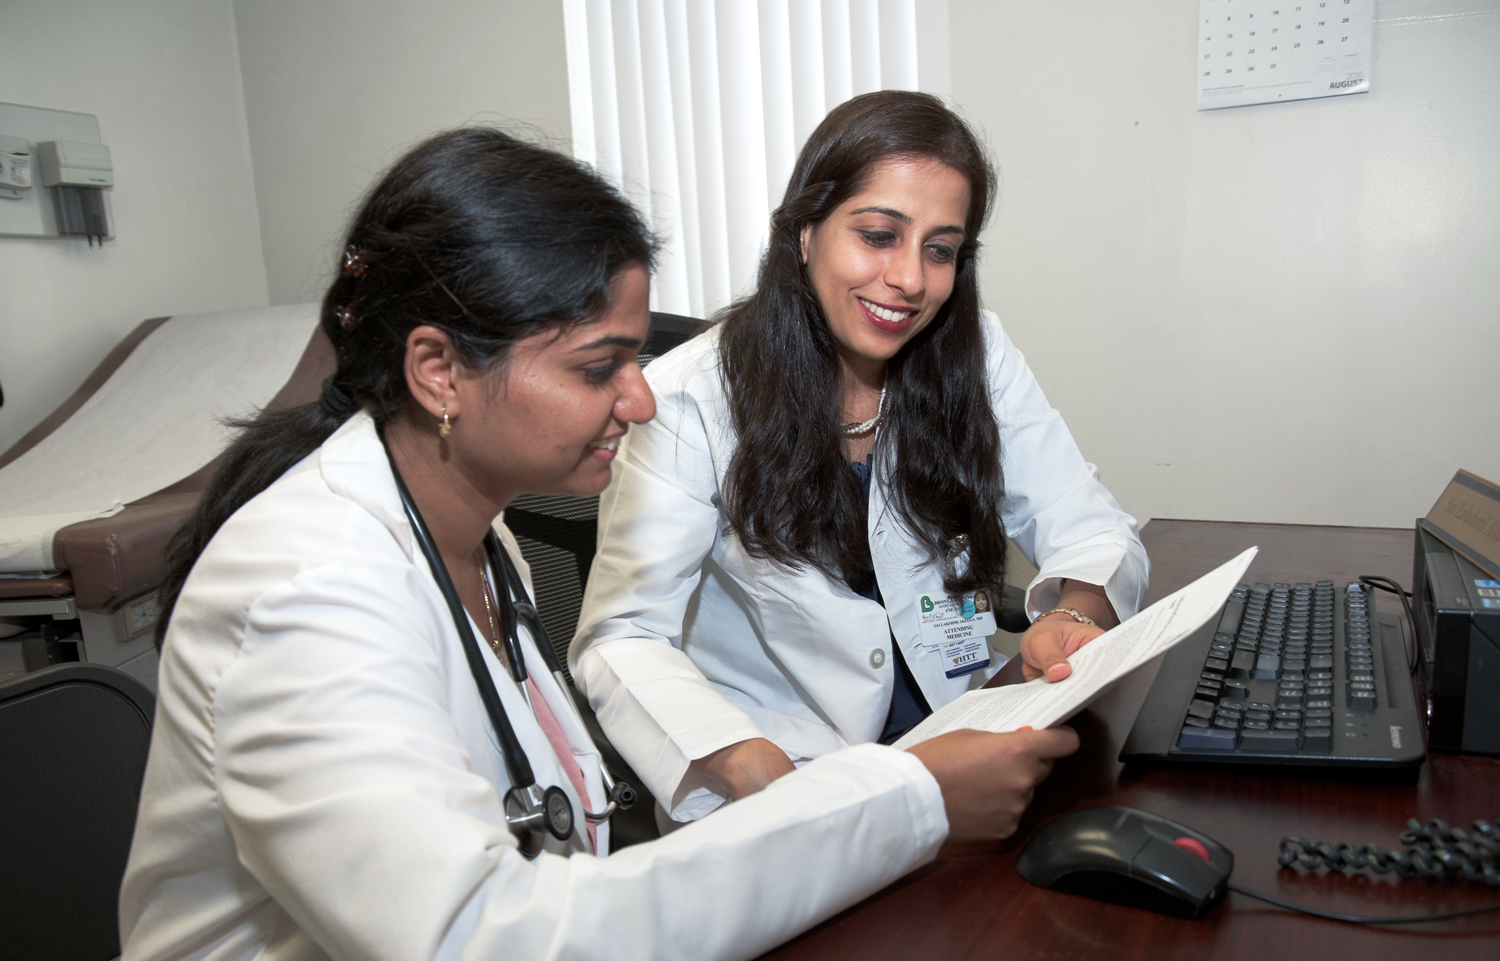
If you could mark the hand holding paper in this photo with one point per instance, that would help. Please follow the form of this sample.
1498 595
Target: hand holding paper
1109 657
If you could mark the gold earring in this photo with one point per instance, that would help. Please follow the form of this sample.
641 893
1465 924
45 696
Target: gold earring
447 426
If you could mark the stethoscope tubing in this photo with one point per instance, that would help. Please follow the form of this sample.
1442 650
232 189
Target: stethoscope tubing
518 609
515 606
516 764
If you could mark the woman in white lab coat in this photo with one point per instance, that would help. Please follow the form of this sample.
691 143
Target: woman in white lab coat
829 466
326 776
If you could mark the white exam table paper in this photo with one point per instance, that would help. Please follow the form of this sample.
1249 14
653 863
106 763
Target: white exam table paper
1096 666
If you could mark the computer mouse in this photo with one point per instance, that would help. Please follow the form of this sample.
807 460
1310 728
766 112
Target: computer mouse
1129 857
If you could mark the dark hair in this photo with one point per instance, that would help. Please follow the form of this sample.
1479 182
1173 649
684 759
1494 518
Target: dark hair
789 494
484 236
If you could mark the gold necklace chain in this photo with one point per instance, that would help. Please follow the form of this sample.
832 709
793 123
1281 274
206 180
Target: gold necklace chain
489 613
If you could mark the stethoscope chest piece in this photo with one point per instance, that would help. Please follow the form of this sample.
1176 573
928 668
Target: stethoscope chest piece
532 813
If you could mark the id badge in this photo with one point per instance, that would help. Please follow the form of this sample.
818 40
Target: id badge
956 627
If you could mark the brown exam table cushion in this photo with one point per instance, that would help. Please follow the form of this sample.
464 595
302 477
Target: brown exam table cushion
109 560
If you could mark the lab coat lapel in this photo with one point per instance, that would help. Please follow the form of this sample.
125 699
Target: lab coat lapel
902 569
354 465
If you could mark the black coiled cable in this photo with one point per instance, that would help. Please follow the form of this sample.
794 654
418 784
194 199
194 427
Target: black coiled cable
1434 850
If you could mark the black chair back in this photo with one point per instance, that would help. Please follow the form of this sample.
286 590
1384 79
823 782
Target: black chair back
73 745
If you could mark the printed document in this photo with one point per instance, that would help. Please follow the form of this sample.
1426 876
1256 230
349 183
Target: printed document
1096 666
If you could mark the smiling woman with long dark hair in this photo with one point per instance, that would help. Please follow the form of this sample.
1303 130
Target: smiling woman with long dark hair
792 555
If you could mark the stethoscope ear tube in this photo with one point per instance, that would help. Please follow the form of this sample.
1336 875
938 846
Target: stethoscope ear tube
528 809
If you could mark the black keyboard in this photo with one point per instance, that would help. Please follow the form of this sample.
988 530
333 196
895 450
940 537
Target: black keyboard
1291 675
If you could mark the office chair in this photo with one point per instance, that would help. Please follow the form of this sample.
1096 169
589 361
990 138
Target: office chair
73 744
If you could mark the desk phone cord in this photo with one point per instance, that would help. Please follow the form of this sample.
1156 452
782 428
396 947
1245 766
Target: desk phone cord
1434 850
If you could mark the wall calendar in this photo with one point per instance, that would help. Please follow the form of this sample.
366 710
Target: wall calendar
1265 51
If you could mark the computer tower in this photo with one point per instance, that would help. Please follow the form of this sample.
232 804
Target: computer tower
1457 607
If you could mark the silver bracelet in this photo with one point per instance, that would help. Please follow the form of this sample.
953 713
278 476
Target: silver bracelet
1078 616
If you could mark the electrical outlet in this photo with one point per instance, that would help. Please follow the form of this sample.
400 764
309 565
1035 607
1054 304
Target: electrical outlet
137 617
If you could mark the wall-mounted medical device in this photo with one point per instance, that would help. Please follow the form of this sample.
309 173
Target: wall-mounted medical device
55 175
77 173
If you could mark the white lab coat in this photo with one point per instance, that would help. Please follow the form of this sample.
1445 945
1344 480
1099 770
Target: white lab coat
324 781
687 644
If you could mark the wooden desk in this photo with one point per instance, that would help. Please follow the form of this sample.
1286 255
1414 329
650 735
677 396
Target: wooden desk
977 906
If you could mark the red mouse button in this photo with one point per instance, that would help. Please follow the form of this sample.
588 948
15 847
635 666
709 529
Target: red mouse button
1193 847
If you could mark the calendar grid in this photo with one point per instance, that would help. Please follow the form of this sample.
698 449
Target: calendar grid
1266 51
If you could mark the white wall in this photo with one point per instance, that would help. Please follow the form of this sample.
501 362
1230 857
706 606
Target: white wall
1287 312
337 89
163 78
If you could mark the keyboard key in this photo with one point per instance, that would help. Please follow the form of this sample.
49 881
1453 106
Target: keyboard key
1206 739
1267 666
1229 621
1211 676
1269 742
1314 703
1197 722
1207 693
1216 664
1255 725
1200 708
1235 689
1243 664
1317 741
1362 700
1323 661
1287 725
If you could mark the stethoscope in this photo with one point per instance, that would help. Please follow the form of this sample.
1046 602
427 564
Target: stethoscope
531 813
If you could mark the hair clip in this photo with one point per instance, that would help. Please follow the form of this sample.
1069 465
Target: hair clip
345 316
354 262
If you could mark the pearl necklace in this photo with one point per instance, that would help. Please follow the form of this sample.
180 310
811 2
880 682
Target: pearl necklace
864 427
